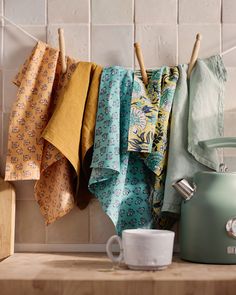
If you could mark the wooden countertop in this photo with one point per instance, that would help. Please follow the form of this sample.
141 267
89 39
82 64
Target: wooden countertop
87 274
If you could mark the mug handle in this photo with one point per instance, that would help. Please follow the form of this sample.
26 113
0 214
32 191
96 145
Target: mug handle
109 244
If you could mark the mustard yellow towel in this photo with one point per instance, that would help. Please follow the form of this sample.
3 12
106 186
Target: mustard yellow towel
71 127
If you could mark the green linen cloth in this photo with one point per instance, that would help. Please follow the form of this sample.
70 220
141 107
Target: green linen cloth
197 114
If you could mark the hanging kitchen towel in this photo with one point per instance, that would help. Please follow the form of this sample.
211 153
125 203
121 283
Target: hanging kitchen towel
55 189
41 88
71 127
197 115
30 113
40 82
83 195
119 179
149 127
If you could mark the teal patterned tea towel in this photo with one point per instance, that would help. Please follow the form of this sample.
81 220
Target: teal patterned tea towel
119 180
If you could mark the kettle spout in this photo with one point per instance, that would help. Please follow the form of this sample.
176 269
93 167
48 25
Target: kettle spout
185 188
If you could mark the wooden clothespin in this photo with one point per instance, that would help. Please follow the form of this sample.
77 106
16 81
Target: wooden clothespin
139 55
62 50
194 55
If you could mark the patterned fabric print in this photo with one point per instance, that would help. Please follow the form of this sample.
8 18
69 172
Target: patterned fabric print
149 127
55 189
28 154
143 118
29 114
119 180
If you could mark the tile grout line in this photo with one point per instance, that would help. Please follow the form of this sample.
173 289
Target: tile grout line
46 19
90 30
2 39
178 12
221 26
221 48
2 69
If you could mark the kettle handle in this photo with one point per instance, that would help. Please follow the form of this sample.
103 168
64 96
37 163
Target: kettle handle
221 142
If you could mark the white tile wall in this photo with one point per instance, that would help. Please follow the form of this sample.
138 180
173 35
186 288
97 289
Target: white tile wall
156 12
24 190
104 31
26 12
5 125
211 40
77 35
111 44
97 222
201 11
72 228
17 46
228 40
9 89
72 11
159 44
112 11
230 93
228 11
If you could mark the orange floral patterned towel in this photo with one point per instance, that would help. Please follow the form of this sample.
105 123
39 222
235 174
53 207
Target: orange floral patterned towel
29 156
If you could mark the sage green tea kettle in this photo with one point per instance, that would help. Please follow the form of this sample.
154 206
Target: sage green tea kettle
208 213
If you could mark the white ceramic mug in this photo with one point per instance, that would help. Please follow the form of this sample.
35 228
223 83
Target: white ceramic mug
143 249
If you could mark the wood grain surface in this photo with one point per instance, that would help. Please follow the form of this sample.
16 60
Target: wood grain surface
85 274
7 219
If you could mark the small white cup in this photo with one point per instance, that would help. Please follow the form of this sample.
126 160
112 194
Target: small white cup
143 249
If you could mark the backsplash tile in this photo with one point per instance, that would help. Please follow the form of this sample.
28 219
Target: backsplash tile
210 44
17 45
230 94
159 44
76 39
26 12
5 125
73 228
104 31
72 11
228 11
24 190
112 11
30 226
201 11
101 226
9 89
156 12
228 41
111 45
